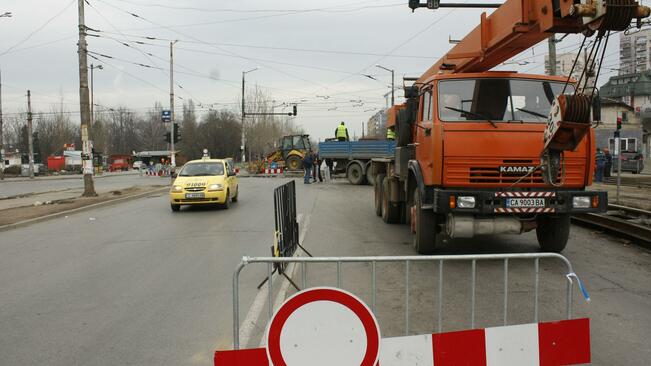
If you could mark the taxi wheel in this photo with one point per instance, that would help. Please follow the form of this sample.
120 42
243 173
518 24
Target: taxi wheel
227 203
175 208
237 192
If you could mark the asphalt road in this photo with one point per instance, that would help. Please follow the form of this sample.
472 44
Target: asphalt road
139 285
131 284
104 183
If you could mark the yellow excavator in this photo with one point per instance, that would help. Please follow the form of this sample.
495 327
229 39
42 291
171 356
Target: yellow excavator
291 151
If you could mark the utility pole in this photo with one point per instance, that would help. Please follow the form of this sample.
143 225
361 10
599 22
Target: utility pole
172 154
243 142
552 54
2 146
30 140
86 150
242 147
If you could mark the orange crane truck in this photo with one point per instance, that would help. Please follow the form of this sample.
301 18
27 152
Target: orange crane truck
483 152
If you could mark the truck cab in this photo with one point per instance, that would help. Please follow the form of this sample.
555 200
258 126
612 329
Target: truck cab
468 162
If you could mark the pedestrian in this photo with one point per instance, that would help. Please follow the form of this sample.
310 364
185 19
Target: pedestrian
316 171
600 160
307 165
391 133
608 166
341 132
325 170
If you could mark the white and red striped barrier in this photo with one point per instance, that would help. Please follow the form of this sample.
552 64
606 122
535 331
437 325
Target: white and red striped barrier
327 326
525 194
273 171
524 210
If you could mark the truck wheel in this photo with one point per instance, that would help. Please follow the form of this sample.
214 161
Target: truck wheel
378 193
370 177
175 208
390 211
424 227
354 174
553 232
294 163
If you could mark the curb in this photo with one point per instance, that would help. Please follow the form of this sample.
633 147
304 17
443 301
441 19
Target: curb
61 177
76 210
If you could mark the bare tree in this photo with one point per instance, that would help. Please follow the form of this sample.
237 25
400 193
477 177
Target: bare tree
54 129
152 130
220 133
190 145
263 132
123 131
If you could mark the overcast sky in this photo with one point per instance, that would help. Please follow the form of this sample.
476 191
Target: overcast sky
307 51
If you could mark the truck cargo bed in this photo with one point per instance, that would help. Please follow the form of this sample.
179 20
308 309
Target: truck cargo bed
366 149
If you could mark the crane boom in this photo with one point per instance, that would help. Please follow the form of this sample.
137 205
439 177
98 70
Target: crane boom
520 24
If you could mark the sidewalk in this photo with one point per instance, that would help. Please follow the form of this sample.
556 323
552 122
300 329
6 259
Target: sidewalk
42 206
70 176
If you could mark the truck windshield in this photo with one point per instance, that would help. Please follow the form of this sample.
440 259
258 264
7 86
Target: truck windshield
202 169
497 99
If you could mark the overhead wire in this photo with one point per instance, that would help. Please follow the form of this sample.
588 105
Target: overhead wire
231 10
40 28
321 68
275 48
199 40
397 47
294 12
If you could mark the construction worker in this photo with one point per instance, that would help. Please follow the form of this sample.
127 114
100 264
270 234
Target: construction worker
308 161
608 166
341 133
600 160
391 133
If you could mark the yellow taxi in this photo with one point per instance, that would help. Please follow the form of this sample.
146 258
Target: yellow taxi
204 181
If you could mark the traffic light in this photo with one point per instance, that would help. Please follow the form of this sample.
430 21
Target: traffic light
177 133
168 137
619 123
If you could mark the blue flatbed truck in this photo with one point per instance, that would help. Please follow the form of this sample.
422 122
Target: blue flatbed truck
354 157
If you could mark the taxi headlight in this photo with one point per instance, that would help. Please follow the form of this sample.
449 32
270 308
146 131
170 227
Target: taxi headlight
177 189
581 202
466 202
215 187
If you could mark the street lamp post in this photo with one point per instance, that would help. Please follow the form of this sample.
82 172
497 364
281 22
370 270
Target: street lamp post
244 114
393 88
172 121
92 92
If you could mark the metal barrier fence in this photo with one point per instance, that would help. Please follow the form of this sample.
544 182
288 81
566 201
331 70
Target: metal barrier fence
408 261
286 225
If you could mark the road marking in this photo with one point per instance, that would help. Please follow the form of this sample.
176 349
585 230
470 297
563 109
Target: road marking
250 322
291 269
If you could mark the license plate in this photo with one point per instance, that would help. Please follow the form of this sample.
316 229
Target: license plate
195 195
525 202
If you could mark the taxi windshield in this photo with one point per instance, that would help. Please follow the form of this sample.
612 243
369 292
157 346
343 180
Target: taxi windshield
202 169
497 100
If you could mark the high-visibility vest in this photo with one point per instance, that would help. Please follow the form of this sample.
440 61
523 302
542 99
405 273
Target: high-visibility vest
341 131
391 135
